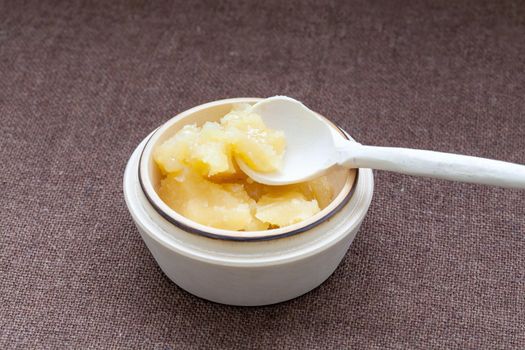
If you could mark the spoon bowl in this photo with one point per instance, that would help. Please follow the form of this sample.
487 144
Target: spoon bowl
310 144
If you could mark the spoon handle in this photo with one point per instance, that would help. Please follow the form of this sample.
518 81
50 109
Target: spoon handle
433 164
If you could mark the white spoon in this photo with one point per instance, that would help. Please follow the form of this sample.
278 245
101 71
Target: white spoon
312 148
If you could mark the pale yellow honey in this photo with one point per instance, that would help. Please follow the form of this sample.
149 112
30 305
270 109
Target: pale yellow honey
203 182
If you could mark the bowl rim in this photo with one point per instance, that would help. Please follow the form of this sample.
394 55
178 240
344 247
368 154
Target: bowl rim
193 227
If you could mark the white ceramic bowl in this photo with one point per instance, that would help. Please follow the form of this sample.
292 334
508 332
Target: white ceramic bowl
242 268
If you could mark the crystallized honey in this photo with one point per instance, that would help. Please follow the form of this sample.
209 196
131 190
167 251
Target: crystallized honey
203 182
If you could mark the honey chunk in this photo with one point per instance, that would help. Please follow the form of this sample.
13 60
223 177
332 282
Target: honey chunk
285 209
224 206
260 148
210 149
170 155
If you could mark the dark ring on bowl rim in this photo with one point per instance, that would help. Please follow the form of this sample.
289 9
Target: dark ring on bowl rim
245 239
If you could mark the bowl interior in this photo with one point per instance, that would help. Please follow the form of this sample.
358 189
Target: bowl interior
341 180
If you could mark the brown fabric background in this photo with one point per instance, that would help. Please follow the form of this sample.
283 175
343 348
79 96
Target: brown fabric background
436 264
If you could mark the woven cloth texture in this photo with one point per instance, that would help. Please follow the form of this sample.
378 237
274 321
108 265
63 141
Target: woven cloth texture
436 264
